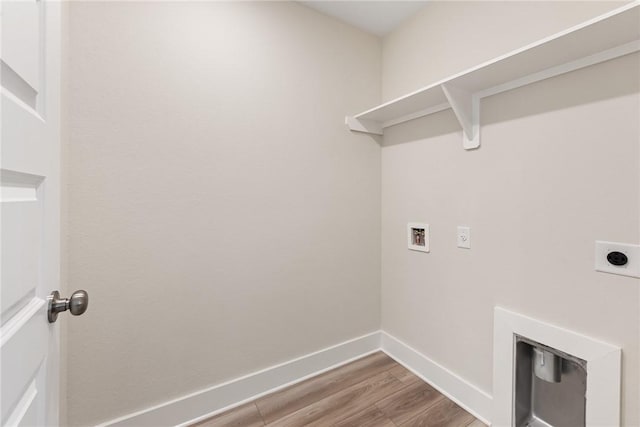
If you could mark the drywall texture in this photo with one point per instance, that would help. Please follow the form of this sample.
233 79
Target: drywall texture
558 168
221 216
447 37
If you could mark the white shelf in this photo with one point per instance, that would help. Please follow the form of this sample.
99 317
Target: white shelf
609 36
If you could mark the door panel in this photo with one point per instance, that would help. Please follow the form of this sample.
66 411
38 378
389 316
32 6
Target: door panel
22 53
23 368
29 210
22 218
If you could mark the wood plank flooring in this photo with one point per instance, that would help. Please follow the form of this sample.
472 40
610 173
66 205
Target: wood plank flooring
374 391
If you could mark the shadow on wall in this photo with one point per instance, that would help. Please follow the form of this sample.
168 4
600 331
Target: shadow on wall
441 123
612 79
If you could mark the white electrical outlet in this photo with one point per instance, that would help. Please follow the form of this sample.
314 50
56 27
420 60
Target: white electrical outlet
618 258
464 237
418 236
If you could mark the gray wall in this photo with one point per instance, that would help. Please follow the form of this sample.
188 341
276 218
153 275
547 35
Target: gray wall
220 215
558 168
215 194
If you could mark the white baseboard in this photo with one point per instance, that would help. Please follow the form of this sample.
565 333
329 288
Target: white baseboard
222 397
466 395
219 398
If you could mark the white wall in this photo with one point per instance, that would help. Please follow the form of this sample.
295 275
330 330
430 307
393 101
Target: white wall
220 215
558 168
192 124
447 37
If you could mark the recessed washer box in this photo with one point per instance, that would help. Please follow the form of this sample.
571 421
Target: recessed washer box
418 236
608 254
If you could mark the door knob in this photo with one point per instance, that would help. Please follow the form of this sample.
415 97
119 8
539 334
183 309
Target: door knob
77 304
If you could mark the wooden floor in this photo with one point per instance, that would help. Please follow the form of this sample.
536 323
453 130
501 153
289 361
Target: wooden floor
373 391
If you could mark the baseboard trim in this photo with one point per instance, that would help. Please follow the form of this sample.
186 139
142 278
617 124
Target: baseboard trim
222 397
206 403
474 400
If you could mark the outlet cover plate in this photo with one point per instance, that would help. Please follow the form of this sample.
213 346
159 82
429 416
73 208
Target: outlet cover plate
632 268
464 237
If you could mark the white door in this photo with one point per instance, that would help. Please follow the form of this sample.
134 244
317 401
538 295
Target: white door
30 210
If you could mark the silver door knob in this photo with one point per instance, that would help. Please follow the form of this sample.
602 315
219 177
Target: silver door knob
77 304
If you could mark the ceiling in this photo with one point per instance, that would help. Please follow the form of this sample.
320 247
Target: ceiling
376 17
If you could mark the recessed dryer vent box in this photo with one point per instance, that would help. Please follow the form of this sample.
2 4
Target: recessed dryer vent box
418 236
550 386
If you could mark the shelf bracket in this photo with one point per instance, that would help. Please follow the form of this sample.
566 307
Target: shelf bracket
466 107
363 125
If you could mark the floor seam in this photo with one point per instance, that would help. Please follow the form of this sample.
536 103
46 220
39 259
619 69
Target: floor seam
316 401
441 398
338 408
404 386
327 396
384 413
